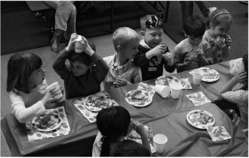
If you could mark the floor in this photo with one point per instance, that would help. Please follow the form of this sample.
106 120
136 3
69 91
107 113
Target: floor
104 48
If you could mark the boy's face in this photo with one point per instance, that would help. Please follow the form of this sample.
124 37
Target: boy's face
78 47
78 68
221 29
130 49
153 37
195 41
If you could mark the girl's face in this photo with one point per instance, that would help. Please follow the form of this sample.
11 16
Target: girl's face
153 37
221 29
78 68
36 78
130 49
78 47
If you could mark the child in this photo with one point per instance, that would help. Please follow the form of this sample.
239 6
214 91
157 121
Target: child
150 57
129 148
239 95
26 86
216 43
114 124
187 53
121 68
86 71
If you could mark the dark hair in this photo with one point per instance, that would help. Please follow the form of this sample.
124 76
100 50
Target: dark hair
129 148
194 26
113 123
213 17
152 21
82 57
20 67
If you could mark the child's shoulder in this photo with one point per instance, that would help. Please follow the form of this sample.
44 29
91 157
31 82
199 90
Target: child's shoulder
109 59
184 44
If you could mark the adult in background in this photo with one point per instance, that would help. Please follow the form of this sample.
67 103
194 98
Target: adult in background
65 21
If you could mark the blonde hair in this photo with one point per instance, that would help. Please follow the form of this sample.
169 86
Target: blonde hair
122 36
218 16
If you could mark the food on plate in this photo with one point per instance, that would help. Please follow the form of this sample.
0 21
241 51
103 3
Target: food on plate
200 119
47 122
139 97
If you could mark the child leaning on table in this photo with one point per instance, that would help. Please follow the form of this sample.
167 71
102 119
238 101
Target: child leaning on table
153 55
236 91
86 70
27 87
216 42
188 53
121 68
114 124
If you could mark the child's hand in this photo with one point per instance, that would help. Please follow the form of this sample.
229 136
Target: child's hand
88 49
119 83
47 100
157 51
71 41
240 78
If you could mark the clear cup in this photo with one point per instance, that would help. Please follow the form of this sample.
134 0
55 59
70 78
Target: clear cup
162 90
175 92
196 78
54 85
159 141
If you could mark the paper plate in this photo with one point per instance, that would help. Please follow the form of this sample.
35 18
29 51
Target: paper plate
209 75
200 119
138 98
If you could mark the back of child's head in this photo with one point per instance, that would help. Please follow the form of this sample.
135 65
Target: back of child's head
123 36
82 57
20 68
150 22
194 26
113 123
219 16
128 148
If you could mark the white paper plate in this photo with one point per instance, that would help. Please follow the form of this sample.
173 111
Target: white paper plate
193 115
139 103
209 75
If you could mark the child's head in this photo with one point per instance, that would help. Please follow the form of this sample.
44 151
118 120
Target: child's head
220 21
113 123
129 148
152 29
126 41
194 27
24 72
80 62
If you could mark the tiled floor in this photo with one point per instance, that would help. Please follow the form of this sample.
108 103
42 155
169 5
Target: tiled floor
104 48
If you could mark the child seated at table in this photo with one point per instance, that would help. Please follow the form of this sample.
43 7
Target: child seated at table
114 124
121 68
188 54
152 55
129 148
86 70
236 91
216 42
27 87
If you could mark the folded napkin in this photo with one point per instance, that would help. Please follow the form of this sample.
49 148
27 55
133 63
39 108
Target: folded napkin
198 98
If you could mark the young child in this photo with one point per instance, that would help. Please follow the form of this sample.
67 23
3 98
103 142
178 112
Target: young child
121 68
150 57
129 148
86 70
26 86
114 124
188 54
236 91
216 42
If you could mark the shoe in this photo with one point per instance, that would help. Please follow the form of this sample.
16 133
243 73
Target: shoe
56 39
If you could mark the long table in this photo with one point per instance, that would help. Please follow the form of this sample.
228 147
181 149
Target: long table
163 115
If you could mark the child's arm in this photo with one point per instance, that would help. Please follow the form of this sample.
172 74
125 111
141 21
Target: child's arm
168 62
59 64
236 79
137 75
23 113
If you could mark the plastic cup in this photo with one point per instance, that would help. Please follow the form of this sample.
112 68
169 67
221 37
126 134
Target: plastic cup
159 141
197 78
162 90
175 92
54 85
